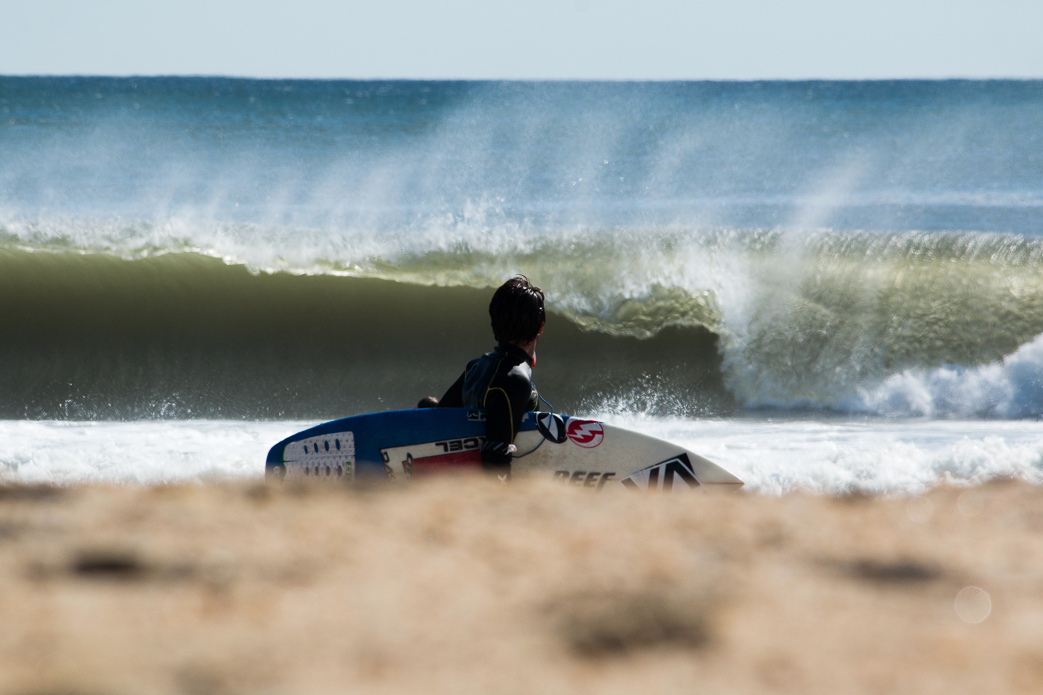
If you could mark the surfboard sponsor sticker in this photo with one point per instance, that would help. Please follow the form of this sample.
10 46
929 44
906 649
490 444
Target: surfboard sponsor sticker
586 433
551 426
591 479
661 476
431 457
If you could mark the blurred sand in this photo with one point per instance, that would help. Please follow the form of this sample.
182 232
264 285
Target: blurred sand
460 585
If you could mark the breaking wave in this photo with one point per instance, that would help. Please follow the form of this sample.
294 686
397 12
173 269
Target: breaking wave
184 318
1011 388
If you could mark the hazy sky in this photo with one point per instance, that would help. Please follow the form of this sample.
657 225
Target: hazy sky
588 39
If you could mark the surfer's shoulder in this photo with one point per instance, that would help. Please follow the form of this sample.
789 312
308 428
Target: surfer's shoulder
521 373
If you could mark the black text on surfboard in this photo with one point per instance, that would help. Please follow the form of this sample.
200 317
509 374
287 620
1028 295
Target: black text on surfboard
594 479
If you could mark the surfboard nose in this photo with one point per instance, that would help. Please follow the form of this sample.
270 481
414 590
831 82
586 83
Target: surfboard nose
709 473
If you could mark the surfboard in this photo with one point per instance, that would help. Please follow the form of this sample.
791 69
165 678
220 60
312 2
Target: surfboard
404 444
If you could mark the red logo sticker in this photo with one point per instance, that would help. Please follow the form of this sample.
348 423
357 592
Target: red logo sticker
587 433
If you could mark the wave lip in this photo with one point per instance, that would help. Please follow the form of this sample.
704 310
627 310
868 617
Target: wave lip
1012 388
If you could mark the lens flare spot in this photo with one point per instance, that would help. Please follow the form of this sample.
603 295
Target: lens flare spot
971 503
973 604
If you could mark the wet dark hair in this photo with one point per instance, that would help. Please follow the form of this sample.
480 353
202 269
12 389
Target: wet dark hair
517 311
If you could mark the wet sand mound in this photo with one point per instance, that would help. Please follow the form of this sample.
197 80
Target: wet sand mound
460 585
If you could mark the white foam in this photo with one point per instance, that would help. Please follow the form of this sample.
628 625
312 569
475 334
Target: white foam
775 456
1012 388
146 452
772 456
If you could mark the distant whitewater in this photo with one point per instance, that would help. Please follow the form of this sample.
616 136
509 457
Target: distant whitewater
221 249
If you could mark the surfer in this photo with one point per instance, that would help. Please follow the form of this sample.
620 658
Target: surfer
501 381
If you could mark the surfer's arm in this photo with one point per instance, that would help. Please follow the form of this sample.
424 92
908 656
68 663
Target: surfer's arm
506 403
500 429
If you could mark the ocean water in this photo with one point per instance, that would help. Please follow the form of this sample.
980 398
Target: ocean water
829 286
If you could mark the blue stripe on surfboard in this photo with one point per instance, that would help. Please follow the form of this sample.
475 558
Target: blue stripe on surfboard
393 428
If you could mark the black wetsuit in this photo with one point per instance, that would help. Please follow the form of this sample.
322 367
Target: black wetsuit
500 382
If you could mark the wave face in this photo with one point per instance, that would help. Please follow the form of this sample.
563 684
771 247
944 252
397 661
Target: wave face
219 248
184 335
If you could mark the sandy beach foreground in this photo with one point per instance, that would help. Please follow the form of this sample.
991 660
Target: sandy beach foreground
461 585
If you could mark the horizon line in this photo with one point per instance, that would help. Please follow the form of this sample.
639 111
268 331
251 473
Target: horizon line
133 75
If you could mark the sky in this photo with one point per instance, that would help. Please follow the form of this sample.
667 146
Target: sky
525 39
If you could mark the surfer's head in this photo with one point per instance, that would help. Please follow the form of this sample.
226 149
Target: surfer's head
517 311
